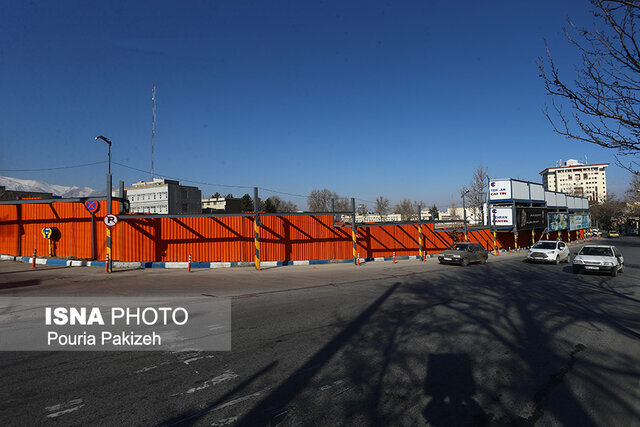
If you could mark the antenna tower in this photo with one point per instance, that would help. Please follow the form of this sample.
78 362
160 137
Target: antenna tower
153 124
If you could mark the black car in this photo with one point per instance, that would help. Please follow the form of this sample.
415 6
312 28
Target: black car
464 253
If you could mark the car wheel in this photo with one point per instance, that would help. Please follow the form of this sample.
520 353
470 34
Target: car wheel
483 260
614 271
622 268
464 262
557 260
576 270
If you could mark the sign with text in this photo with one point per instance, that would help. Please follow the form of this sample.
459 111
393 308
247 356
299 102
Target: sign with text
530 218
500 190
501 217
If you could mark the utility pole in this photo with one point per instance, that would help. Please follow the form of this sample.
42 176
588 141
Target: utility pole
153 124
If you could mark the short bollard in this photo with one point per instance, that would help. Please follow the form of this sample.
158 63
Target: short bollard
358 258
106 265
33 260
394 257
189 266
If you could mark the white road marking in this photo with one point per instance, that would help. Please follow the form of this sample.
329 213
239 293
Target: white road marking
64 408
225 422
224 377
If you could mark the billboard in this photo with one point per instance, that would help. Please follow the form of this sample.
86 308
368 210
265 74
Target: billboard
502 217
558 221
530 218
579 222
500 190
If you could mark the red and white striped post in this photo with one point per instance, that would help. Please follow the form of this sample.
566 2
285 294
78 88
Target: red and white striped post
189 265
33 260
394 257
106 265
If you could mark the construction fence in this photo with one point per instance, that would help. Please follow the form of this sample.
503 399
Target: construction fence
224 238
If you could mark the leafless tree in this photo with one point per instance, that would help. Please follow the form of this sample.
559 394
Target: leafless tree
383 206
453 206
604 94
320 201
405 208
632 195
477 196
362 209
280 205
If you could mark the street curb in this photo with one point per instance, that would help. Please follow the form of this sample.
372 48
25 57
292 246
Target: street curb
210 265
195 264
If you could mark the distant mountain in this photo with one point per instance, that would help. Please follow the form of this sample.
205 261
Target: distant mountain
57 190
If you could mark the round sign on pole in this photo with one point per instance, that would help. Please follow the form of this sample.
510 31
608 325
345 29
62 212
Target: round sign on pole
47 232
110 220
91 205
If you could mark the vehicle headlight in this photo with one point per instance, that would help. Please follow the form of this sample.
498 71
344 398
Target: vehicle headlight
578 261
456 256
607 263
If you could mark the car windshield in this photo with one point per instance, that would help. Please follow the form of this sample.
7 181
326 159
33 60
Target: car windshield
591 250
544 245
460 247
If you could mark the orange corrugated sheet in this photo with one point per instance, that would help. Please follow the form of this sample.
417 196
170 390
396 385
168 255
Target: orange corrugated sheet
282 238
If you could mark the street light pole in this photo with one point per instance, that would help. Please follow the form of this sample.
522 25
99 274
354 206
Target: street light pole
464 213
109 187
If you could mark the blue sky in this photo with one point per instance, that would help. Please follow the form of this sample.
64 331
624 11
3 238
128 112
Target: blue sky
400 99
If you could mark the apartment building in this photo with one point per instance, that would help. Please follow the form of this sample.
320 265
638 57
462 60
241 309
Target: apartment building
577 179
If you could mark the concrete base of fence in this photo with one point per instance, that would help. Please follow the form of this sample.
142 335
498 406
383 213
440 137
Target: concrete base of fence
184 265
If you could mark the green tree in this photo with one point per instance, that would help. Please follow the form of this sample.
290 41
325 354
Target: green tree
246 203
434 212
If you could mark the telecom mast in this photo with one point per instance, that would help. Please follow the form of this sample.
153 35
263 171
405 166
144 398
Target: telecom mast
153 123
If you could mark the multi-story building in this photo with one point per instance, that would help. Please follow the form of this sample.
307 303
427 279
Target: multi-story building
163 196
221 205
577 179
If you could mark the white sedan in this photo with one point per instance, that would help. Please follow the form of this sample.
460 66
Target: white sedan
549 251
599 258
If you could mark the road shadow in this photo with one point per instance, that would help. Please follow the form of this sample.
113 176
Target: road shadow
451 387
20 284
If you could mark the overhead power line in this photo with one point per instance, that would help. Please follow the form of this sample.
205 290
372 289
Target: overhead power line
56 168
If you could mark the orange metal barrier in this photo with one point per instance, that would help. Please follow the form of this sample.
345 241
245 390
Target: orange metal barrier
282 238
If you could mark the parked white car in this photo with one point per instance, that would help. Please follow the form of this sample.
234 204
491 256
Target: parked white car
549 251
599 258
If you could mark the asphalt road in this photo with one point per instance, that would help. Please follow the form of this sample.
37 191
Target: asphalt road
507 343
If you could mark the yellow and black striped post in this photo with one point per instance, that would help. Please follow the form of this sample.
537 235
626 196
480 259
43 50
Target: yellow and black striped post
533 237
495 245
515 239
109 255
420 233
354 231
256 228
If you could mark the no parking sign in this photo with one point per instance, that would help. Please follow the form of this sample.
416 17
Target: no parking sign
92 205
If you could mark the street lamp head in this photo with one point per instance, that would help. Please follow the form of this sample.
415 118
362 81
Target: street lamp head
104 138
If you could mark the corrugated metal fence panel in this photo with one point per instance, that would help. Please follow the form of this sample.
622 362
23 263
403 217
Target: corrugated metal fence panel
206 239
9 229
294 238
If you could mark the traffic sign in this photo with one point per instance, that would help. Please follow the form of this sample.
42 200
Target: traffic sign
47 232
92 205
110 220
